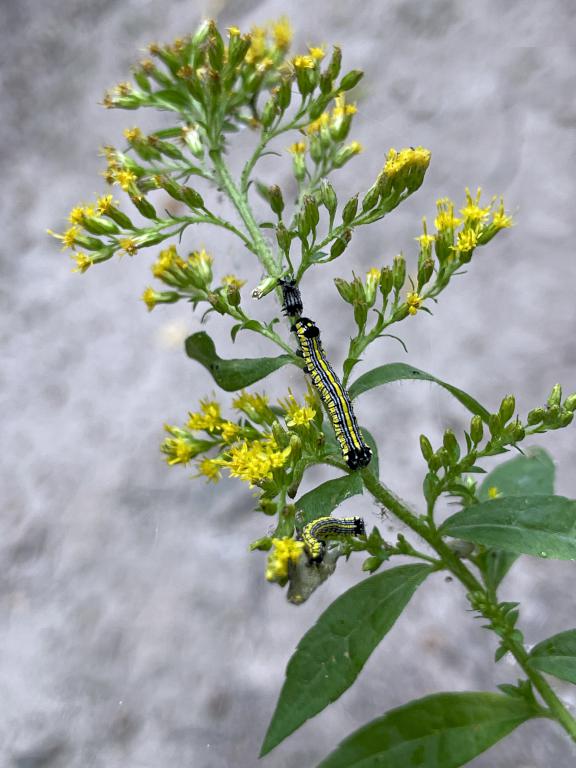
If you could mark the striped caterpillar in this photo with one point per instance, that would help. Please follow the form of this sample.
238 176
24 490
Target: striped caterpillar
292 304
319 531
337 401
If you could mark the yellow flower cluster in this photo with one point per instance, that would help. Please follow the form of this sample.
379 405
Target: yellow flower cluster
208 419
406 159
333 118
414 302
254 461
296 415
267 43
283 554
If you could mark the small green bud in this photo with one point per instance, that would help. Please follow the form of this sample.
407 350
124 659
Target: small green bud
535 416
335 63
351 79
328 197
193 141
315 149
295 448
425 272
494 425
360 313
303 224
349 211
346 153
372 564
426 448
370 199
565 418
507 408
119 217
319 105
276 199
451 446
201 34
284 93
268 113
168 184
192 198
399 272
265 287
555 396
144 207
325 85
552 415
96 225
435 462
345 289
265 543
340 244
476 429
311 211
280 435
517 431
386 281
233 295
283 238
570 403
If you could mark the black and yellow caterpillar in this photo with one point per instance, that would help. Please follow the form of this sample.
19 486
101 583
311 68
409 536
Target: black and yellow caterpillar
319 531
292 300
337 401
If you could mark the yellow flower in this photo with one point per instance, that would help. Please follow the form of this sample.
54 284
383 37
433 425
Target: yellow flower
467 240
129 246
298 148
318 124
103 204
124 178
414 302
166 259
77 214
283 554
304 62
405 159
355 147
83 262
149 297
297 415
472 212
342 109
254 461
282 32
132 134
233 31
229 431
247 402
317 52
257 45
68 238
210 469
499 219
493 492
445 220
233 281
209 419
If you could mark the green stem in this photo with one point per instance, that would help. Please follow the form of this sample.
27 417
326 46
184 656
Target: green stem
453 563
261 247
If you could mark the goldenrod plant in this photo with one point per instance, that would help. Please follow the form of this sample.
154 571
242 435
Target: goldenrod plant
213 84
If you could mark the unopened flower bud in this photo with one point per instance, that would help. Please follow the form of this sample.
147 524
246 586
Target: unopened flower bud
425 272
233 295
570 403
351 79
349 211
295 447
535 416
192 198
266 286
280 435
451 446
494 425
426 448
276 199
340 244
311 212
399 272
268 113
555 395
344 289
371 198
386 281
476 429
507 408
328 197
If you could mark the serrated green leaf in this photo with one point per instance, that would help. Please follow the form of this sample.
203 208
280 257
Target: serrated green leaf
556 656
385 374
232 374
444 730
543 526
525 475
321 501
331 654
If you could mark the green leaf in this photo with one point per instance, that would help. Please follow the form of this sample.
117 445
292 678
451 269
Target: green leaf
321 501
556 656
532 474
444 730
330 655
384 374
544 526
232 374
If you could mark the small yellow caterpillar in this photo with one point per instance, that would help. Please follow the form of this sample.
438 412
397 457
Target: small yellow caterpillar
319 531
337 401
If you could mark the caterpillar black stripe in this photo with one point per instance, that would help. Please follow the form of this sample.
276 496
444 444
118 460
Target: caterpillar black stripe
355 451
292 305
319 531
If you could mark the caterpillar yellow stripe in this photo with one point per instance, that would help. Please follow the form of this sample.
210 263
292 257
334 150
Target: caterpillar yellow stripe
337 401
323 529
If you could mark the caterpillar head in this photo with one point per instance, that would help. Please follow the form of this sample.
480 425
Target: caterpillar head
358 457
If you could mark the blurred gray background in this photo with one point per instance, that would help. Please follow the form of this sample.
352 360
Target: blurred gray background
136 629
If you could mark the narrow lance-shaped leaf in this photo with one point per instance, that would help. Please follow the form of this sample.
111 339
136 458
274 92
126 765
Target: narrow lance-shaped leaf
532 474
556 656
385 374
444 730
232 374
321 501
544 526
330 655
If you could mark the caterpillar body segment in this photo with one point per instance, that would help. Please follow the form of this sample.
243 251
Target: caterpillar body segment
323 529
292 304
334 396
